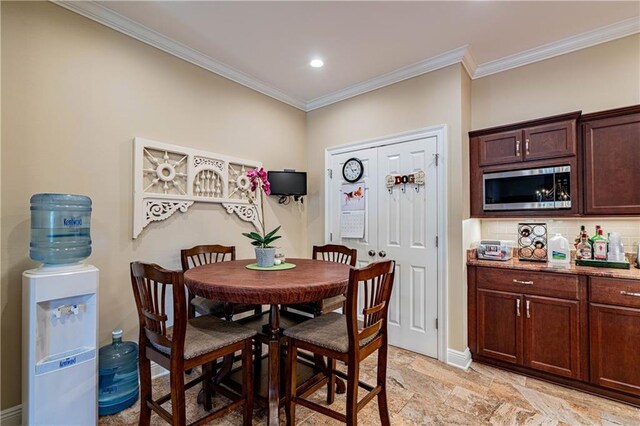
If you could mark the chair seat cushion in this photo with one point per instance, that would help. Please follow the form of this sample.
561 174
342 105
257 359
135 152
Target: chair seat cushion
328 331
205 306
326 305
206 334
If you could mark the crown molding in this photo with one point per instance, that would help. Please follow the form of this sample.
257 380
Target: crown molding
463 55
111 19
428 65
570 44
469 62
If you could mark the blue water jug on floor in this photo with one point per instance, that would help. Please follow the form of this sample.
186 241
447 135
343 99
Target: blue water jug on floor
118 375
60 228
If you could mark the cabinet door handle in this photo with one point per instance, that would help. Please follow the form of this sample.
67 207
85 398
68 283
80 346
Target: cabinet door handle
518 307
523 282
528 312
627 293
526 146
517 148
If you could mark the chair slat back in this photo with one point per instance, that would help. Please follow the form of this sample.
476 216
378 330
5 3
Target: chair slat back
149 282
336 253
375 281
205 254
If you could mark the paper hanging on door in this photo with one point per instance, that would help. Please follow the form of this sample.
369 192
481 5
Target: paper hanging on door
352 197
352 211
352 224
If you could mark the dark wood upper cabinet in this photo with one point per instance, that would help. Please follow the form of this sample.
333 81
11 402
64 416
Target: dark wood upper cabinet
552 335
500 148
602 149
550 141
500 325
612 161
545 142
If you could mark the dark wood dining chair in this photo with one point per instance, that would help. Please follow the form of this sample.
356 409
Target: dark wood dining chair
344 338
329 253
203 255
185 345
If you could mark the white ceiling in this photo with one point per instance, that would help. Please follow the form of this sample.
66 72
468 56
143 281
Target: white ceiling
268 45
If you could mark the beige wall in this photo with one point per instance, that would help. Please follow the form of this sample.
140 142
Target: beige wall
75 94
595 79
428 100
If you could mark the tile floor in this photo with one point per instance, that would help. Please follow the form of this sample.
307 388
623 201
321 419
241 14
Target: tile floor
424 391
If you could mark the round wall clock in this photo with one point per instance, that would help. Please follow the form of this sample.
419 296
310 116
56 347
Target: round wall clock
352 170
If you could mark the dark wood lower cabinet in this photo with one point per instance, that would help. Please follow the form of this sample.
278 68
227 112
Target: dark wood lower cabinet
583 332
615 347
552 335
500 325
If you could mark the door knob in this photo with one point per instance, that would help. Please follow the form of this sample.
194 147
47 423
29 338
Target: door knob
382 253
372 253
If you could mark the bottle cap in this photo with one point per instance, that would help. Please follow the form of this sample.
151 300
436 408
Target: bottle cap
116 334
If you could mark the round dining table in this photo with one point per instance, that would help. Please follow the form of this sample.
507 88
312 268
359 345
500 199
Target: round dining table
310 280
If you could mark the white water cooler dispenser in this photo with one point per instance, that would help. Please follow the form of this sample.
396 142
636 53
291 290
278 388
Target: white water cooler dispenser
60 364
60 316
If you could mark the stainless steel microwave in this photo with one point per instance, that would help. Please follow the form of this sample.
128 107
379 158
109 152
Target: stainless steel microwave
530 189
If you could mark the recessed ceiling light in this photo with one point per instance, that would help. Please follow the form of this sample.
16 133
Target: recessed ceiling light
316 63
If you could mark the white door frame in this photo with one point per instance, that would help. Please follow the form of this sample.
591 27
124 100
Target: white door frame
440 132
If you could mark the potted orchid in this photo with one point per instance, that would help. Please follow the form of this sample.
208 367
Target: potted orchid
265 254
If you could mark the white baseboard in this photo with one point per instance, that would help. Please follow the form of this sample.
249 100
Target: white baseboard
157 370
459 359
11 416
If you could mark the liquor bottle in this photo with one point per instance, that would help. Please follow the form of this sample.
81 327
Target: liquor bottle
583 250
598 227
600 247
579 237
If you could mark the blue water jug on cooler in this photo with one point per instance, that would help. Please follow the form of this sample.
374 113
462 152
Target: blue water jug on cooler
60 228
118 375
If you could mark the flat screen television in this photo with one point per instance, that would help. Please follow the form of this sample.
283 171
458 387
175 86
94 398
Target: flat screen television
288 183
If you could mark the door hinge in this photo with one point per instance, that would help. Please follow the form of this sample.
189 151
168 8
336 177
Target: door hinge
436 158
436 241
436 323
330 172
331 236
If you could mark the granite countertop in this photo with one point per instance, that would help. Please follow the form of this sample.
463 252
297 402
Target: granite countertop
514 263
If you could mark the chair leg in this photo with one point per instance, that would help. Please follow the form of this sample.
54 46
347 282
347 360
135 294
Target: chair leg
331 385
382 382
207 388
247 383
145 389
353 373
292 364
178 409
257 363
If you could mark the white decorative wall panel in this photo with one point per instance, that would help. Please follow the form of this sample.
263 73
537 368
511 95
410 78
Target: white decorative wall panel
170 178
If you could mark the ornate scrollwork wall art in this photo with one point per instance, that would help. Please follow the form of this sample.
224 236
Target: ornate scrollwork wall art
170 178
